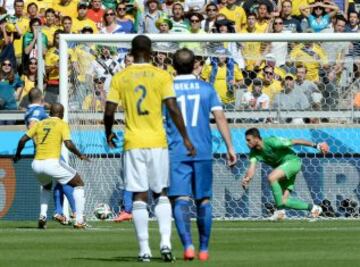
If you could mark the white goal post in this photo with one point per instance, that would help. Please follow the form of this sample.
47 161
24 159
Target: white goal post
339 173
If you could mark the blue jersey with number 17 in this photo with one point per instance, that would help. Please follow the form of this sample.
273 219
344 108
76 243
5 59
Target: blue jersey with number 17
196 100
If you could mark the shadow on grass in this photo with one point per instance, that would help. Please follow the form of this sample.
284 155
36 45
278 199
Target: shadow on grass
119 259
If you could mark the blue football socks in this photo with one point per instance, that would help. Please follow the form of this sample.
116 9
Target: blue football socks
58 199
204 222
181 213
127 201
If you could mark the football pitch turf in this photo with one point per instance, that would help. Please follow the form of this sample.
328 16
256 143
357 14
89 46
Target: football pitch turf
233 243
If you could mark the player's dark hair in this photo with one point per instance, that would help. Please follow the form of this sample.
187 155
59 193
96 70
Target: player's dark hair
253 132
57 110
141 48
183 61
35 94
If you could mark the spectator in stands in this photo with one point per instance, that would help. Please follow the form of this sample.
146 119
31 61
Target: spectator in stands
198 66
291 24
96 100
271 87
271 60
162 61
232 48
29 79
309 88
313 57
96 13
225 76
30 42
32 11
195 19
151 15
208 24
67 8
164 25
127 25
81 20
278 49
234 13
255 99
110 24
353 22
337 51
329 98
67 24
167 7
10 86
49 27
22 26
7 36
106 64
318 19
263 14
42 6
290 99
129 60
251 50
52 70
180 25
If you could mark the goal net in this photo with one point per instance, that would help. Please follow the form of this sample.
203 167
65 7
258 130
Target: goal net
301 86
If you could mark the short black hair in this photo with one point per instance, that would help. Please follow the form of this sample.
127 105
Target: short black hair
340 18
141 44
35 94
253 132
183 61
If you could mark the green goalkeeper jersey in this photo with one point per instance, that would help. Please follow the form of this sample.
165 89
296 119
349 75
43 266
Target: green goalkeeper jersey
275 152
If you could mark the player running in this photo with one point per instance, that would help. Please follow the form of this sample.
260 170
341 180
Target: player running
191 177
142 90
48 135
35 112
277 152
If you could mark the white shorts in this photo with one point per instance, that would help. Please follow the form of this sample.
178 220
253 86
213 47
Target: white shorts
146 169
49 169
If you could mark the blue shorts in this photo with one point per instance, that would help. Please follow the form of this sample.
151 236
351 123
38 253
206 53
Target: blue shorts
191 178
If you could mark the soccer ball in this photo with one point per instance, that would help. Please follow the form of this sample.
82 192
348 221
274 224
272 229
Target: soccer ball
102 211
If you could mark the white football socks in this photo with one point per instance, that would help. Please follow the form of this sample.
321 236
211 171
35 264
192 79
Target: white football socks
141 222
163 214
79 197
44 201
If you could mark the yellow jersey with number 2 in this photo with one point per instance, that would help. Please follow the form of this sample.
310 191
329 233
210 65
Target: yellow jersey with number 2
141 88
48 136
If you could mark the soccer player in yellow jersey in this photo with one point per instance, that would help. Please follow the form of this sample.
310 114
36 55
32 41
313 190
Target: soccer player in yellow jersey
48 135
142 90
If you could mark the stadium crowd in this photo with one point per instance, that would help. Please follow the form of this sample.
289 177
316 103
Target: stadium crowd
253 75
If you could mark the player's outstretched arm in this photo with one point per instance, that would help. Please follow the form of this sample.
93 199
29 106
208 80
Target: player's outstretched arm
225 133
322 147
70 145
109 115
20 147
177 118
249 175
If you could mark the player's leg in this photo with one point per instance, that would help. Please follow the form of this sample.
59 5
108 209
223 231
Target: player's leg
58 194
79 196
180 191
69 193
136 180
126 209
158 171
203 192
45 190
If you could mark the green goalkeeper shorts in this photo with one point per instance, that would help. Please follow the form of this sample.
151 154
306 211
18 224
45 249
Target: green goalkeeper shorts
291 169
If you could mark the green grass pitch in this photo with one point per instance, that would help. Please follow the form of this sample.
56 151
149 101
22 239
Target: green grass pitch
233 243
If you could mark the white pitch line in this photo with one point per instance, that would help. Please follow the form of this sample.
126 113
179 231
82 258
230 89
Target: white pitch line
224 229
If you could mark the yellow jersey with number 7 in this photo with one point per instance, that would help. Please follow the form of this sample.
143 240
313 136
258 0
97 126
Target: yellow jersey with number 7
141 88
48 136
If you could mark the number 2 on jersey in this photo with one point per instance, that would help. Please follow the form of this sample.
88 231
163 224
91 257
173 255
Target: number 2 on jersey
142 89
182 101
47 131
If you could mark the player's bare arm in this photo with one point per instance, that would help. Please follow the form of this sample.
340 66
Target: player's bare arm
176 116
109 115
20 147
249 175
70 145
225 133
322 147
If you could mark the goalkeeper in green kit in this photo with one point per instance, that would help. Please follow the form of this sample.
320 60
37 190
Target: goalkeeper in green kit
277 153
